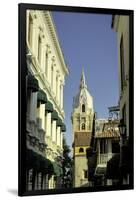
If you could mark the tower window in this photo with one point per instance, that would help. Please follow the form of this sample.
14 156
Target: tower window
83 126
85 174
81 150
83 108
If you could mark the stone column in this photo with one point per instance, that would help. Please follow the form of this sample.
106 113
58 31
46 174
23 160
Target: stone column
58 135
39 181
42 115
54 130
61 140
48 124
109 148
35 32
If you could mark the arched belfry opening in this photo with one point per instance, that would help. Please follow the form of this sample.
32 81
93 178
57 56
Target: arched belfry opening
81 150
83 107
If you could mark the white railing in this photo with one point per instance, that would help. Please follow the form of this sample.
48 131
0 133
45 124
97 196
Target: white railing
104 158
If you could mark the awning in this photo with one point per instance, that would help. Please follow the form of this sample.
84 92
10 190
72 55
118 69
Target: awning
46 165
32 160
63 128
49 107
54 115
57 169
42 97
32 83
59 122
38 162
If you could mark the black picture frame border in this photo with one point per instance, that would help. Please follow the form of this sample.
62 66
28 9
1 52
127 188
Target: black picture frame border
22 71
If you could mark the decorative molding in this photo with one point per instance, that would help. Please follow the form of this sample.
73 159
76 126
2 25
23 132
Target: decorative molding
52 29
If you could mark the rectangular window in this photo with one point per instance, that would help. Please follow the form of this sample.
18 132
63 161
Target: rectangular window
39 49
103 146
30 30
85 174
122 63
124 113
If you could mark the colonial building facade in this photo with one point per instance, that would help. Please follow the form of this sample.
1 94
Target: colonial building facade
107 146
121 25
82 121
45 114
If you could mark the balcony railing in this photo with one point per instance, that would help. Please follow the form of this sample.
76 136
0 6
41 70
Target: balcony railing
104 158
36 135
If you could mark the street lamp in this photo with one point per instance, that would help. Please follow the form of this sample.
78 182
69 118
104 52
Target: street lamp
122 128
123 151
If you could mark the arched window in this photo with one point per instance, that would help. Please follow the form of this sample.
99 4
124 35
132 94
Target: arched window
81 150
83 126
83 107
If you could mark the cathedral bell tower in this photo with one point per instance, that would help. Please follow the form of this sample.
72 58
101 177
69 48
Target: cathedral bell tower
82 121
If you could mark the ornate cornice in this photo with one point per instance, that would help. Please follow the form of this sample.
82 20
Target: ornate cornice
115 22
53 32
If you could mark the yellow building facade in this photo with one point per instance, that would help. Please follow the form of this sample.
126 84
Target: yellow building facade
82 121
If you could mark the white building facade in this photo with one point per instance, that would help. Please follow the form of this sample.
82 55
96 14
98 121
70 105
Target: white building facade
45 114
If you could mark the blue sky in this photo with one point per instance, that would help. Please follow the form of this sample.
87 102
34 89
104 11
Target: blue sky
88 41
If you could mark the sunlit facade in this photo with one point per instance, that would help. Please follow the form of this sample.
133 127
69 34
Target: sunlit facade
45 114
82 121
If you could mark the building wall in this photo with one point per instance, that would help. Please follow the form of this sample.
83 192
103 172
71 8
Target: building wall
80 167
78 118
82 121
121 26
46 63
